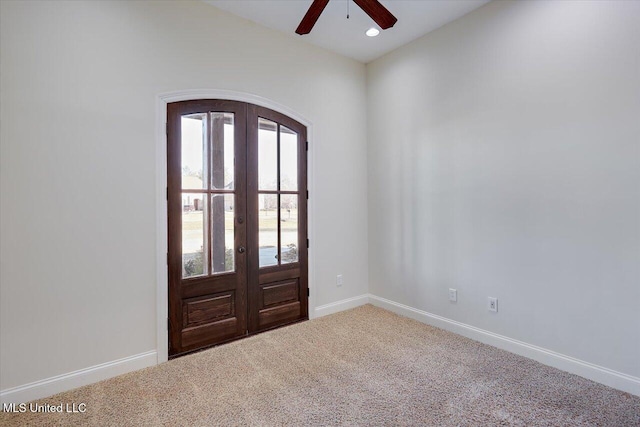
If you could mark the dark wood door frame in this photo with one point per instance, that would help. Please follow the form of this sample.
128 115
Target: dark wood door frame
223 295
291 279
264 299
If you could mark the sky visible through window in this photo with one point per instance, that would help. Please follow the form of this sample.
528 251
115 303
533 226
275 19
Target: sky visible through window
192 158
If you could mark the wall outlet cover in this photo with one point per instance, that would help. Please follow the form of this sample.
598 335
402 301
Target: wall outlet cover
493 304
453 295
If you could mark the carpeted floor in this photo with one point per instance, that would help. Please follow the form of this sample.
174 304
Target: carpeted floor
365 366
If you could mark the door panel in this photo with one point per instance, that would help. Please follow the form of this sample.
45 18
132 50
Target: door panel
201 310
206 199
237 211
281 314
278 293
277 232
209 334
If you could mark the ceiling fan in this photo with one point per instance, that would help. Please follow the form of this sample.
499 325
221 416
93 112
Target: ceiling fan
373 8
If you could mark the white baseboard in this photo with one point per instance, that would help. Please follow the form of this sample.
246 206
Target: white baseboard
606 376
71 380
600 374
341 305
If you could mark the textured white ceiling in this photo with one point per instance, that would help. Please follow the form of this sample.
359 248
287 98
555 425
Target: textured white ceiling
335 32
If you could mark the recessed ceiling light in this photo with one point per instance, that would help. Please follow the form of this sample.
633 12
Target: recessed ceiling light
372 32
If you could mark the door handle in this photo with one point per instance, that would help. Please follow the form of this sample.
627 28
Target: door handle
241 249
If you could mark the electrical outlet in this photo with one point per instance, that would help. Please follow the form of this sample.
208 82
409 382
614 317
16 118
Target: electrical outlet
339 281
493 304
453 295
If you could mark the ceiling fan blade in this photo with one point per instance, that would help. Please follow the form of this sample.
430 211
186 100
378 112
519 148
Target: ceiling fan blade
377 12
311 16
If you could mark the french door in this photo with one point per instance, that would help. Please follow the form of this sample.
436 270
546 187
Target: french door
237 217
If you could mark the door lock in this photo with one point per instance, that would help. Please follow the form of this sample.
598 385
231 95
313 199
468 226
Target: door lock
241 249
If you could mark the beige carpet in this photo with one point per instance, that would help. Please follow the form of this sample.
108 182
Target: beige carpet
365 366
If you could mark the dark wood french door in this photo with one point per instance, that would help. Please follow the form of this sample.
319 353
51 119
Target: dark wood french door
237 216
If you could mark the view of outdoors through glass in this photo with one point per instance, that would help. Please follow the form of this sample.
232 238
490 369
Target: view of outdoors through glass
289 228
207 150
268 229
288 160
207 156
277 146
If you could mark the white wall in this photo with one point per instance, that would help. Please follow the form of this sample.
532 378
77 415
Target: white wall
504 161
79 84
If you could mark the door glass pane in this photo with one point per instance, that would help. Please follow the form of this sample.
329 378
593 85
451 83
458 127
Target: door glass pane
289 228
288 159
268 229
222 151
267 155
194 224
193 153
222 233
